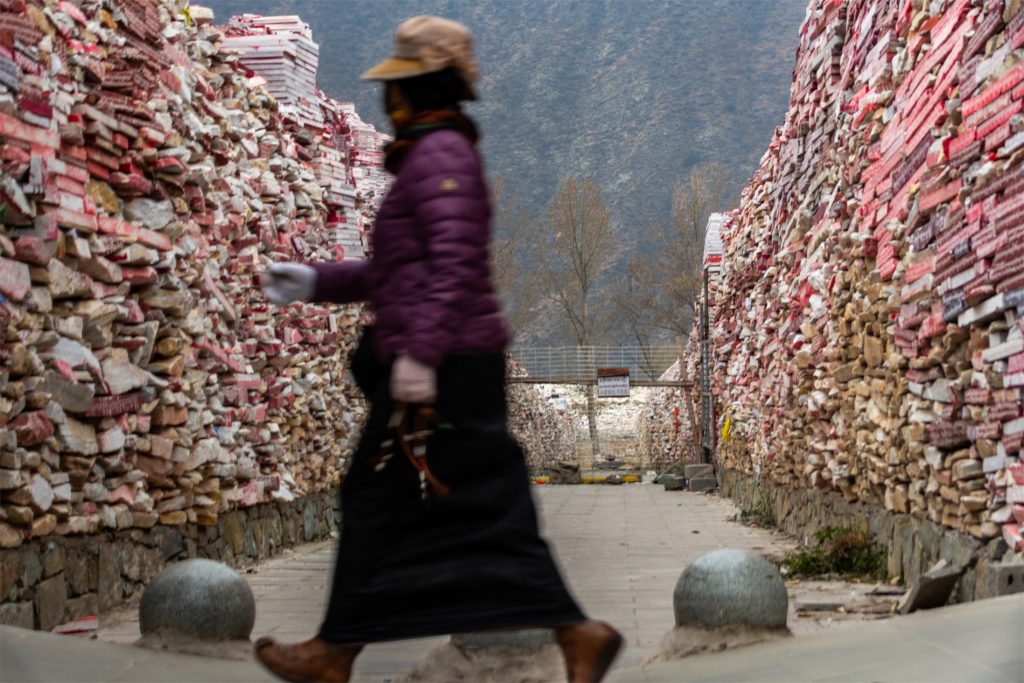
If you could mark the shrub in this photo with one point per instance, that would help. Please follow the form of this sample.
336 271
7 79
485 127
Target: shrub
840 550
761 514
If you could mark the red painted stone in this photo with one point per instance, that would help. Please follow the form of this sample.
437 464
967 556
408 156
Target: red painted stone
932 197
154 239
125 493
78 220
31 428
13 127
35 250
14 279
139 276
109 406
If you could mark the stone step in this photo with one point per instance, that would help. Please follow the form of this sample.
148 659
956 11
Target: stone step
699 470
703 484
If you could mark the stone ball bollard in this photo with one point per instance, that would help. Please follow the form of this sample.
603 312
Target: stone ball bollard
199 599
729 588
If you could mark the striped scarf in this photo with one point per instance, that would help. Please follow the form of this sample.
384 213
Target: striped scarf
420 126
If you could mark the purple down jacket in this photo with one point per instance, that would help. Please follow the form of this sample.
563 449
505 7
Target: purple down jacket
429 278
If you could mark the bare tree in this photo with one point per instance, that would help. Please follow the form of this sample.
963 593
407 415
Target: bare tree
693 201
512 254
633 299
580 247
672 279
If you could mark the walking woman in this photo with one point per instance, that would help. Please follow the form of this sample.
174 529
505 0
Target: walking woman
439 533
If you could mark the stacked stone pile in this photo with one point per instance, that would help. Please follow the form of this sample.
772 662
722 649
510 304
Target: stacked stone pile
281 50
146 180
665 427
867 328
345 151
366 157
617 420
547 435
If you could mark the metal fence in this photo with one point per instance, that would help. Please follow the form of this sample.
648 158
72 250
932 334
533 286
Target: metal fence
568 363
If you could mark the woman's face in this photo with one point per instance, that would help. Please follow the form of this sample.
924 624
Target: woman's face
395 104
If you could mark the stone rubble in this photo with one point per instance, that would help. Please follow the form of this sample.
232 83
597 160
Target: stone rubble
147 178
616 423
616 426
665 428
547 435
281 52
867 333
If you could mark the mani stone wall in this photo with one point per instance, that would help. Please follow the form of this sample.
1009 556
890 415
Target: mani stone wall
867 321
152 405
145 182
546 435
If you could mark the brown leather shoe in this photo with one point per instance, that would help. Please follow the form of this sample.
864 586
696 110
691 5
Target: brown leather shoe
314 661
589 648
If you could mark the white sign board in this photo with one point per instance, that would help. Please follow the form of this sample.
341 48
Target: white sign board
613 387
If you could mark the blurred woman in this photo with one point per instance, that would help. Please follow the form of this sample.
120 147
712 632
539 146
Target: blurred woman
439 533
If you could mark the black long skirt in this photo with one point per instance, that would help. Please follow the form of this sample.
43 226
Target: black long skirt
469 561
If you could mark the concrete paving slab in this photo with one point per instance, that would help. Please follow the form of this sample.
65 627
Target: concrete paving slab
972 643
34 657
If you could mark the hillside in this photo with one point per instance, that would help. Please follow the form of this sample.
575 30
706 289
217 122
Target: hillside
631 93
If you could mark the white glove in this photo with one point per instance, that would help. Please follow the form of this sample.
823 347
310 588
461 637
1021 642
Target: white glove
412 381
285 283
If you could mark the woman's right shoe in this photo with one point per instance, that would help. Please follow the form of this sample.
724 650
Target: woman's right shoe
589 648
312 661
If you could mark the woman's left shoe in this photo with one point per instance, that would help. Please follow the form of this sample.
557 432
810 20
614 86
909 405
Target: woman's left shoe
589 647
313 661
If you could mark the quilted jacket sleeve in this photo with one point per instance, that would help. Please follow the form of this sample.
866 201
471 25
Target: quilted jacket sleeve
343 282
452 209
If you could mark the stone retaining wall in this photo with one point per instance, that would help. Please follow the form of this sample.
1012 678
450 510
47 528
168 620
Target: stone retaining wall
56 579
912 545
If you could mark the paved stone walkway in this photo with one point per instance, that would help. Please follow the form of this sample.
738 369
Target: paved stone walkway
621 548
973 643
970 643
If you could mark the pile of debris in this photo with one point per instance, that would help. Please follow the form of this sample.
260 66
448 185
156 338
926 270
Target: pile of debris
666 425
280 54
281 50
146 180
867 331
547 434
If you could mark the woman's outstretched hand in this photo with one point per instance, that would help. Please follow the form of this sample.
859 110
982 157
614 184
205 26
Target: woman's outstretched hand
286 283
413 381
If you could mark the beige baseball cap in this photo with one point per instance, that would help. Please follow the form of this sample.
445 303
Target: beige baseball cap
426 44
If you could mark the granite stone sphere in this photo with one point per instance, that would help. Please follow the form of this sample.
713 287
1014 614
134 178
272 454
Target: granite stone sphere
726 588
198 599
